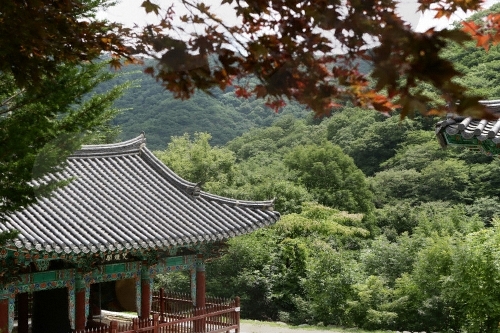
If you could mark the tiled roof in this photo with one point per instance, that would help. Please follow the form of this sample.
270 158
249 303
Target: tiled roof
482 134
123 198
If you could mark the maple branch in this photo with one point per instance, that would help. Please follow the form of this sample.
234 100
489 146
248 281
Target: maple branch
7 101
214 18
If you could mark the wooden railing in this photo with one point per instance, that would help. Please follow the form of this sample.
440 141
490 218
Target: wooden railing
165 303
175 313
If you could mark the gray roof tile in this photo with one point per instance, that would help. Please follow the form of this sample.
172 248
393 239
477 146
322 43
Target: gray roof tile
470 127
123 197
482 134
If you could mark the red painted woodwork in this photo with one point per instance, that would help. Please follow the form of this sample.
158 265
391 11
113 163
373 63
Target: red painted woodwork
200 287
222 315
162 304
80 319
4 314
145 298
199 325
113 327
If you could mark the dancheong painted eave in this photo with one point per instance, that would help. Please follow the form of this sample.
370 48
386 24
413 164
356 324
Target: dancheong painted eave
476 134
123 198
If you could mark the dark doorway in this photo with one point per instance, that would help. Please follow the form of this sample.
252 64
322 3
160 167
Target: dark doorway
50 311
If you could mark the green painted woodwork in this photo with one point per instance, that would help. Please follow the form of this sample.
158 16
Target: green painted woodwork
83 278
113 272
490 147
175 261
44 276
172 264
115 268
42 265
10 259
40 281
460 140
487 147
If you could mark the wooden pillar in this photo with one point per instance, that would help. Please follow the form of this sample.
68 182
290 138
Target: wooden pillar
199 325
82 300
80 315
200 285
145 297
4 315
23 313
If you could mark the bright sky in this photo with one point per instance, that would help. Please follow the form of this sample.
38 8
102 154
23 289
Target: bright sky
428 21
130 12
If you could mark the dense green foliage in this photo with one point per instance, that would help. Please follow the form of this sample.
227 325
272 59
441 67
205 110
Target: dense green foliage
398 264
380 227
421 254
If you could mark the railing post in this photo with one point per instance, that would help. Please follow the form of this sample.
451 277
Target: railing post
237 313
162 304
135 324
113 326
156 323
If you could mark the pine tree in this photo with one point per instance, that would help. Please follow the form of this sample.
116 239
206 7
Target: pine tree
40 128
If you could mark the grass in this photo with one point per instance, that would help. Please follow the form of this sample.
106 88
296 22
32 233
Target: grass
333 329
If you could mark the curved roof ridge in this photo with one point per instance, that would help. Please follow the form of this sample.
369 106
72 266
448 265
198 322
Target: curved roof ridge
492 106
480 134
490 101
159 166
131 146
124 198
267 204
191 187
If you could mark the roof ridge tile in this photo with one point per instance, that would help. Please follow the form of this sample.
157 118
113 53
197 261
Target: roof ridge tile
124 198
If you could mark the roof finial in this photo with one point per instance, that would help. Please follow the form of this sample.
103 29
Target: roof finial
196 189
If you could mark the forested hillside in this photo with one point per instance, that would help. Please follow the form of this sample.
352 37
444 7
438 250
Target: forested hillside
377 250
147 107
380 227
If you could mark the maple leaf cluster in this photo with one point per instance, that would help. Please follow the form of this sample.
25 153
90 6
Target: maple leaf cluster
303 50
310 51
38 35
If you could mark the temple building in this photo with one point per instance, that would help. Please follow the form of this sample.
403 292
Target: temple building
125 216
476 134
